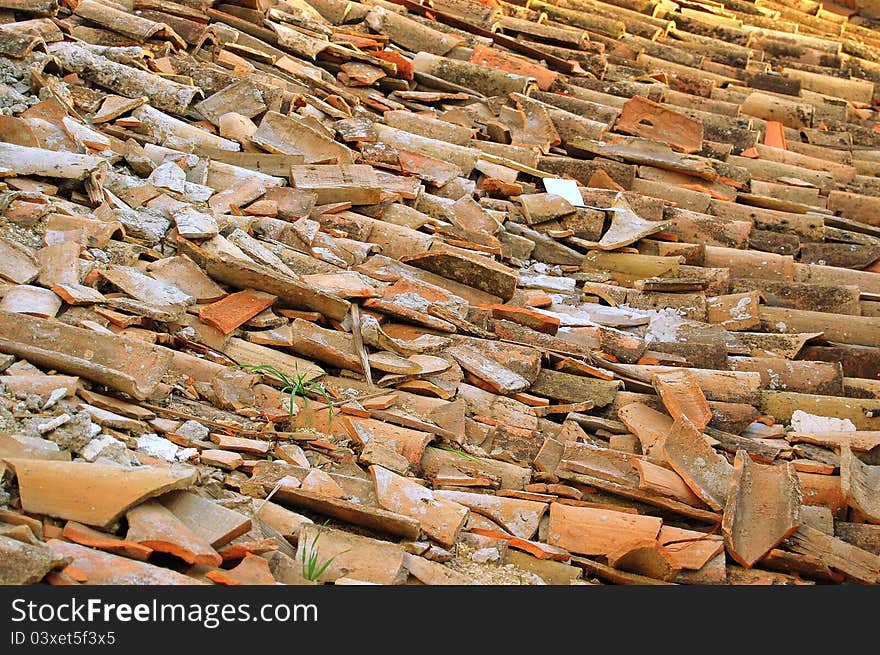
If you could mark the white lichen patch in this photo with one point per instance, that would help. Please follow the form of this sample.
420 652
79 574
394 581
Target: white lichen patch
664 326
741 311
158 447
802 421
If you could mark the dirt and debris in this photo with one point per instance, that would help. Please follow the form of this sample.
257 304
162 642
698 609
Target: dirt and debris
467 292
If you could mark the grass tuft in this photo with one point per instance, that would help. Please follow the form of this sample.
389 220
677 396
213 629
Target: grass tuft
296 385
311 569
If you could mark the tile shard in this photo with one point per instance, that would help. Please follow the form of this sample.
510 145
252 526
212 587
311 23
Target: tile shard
854 562
472 270
649 119
499 377
373 518
859 484
682 397
94 494
131 366
517 516
705 471
762 509
252 570
102 568
215 524
627 227
353 556
440 519
22 563
152 525
646 557
589 531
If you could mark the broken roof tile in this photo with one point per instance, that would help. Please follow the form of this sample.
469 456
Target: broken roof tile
252 570
705 471
440 519
94 494
762 509
152 525
101 568
590 531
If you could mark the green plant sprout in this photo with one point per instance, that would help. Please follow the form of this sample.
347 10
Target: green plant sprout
457 451
311 570
296 385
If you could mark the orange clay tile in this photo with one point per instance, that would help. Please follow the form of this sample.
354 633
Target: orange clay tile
682 396
774 135
527 317
154 526
225 459
590 531
510 63
60 579
235 309
241 444
75 574
213 522
703 469
319 482
262 208
653 120
404 65
100 568
762 509
86 536
94 494
253 570
439 518
534 548
646 557
242 549
517 516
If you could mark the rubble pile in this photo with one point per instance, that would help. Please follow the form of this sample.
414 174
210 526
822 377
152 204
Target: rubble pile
452 292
